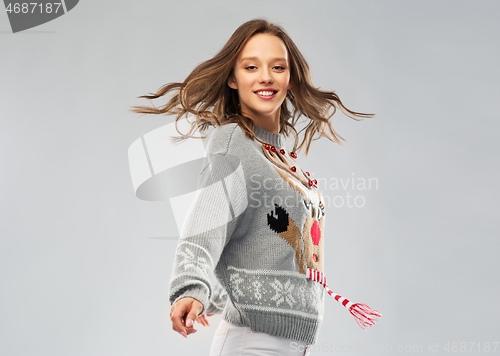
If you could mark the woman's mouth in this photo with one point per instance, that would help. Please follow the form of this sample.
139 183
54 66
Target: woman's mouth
266 94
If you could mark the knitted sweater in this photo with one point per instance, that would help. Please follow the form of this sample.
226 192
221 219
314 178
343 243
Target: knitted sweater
257 222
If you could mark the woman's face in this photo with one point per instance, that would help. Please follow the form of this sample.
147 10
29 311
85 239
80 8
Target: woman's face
262 77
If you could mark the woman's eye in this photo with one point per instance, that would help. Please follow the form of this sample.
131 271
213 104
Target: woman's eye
251 67
279 68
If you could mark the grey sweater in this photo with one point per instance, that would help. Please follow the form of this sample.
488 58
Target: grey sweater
257 222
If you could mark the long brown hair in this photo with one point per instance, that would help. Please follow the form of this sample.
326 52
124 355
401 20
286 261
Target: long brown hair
206 95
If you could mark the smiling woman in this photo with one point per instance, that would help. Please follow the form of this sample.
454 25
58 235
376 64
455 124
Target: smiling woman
262 78
206 93
268 256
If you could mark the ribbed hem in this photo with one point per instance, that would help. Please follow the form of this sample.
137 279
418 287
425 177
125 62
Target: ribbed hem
290 327
274 139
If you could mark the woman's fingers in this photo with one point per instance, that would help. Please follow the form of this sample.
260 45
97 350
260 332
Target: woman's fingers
196 308
176 314
183 313
202 320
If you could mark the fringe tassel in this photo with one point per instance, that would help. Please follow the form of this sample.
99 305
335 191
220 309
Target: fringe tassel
363 315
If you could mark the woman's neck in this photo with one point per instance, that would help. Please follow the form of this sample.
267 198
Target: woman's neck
269 123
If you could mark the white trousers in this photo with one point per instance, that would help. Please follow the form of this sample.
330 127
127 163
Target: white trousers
234 340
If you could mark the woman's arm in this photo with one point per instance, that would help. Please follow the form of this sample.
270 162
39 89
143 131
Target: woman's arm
210 223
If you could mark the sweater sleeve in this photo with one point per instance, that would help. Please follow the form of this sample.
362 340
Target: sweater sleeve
217 208
218 299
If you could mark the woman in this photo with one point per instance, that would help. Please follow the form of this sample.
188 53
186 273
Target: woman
257 220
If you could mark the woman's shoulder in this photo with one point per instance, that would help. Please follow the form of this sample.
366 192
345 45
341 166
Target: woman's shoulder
225 138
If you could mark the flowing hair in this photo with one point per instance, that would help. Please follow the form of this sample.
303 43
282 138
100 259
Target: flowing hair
206 95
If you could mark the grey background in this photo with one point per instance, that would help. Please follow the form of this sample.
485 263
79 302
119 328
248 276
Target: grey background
85 265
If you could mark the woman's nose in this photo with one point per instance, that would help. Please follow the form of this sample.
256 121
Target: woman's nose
265 76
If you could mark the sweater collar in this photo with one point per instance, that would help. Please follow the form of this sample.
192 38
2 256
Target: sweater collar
274 139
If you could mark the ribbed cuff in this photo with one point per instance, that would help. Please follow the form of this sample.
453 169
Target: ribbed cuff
212 309
215 307
197 293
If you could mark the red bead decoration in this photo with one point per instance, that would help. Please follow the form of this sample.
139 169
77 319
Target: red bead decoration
273 148
315 181
293 155
310 183
267 146
293 169
308 174
315 258
282 151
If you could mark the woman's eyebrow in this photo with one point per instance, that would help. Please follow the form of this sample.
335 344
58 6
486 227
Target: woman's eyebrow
255 58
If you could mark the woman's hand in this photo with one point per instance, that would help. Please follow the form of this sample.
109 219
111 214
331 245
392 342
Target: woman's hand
203 320
183 314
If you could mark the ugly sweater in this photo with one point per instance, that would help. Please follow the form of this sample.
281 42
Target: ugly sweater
257 222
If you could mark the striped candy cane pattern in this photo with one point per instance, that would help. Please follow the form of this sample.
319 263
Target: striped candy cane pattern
363 314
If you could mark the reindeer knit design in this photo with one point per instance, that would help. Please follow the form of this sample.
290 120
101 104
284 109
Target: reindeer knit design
259 227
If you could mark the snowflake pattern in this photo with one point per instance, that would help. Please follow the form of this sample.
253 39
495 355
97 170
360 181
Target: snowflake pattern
257 285
189 260
235 281
283 292
301 289
289 293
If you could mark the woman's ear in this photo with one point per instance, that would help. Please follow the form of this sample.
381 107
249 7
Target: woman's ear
231 82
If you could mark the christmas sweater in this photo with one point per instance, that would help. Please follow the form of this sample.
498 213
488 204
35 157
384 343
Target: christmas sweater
256 222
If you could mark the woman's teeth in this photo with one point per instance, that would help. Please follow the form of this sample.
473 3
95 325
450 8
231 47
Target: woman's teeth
265 93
